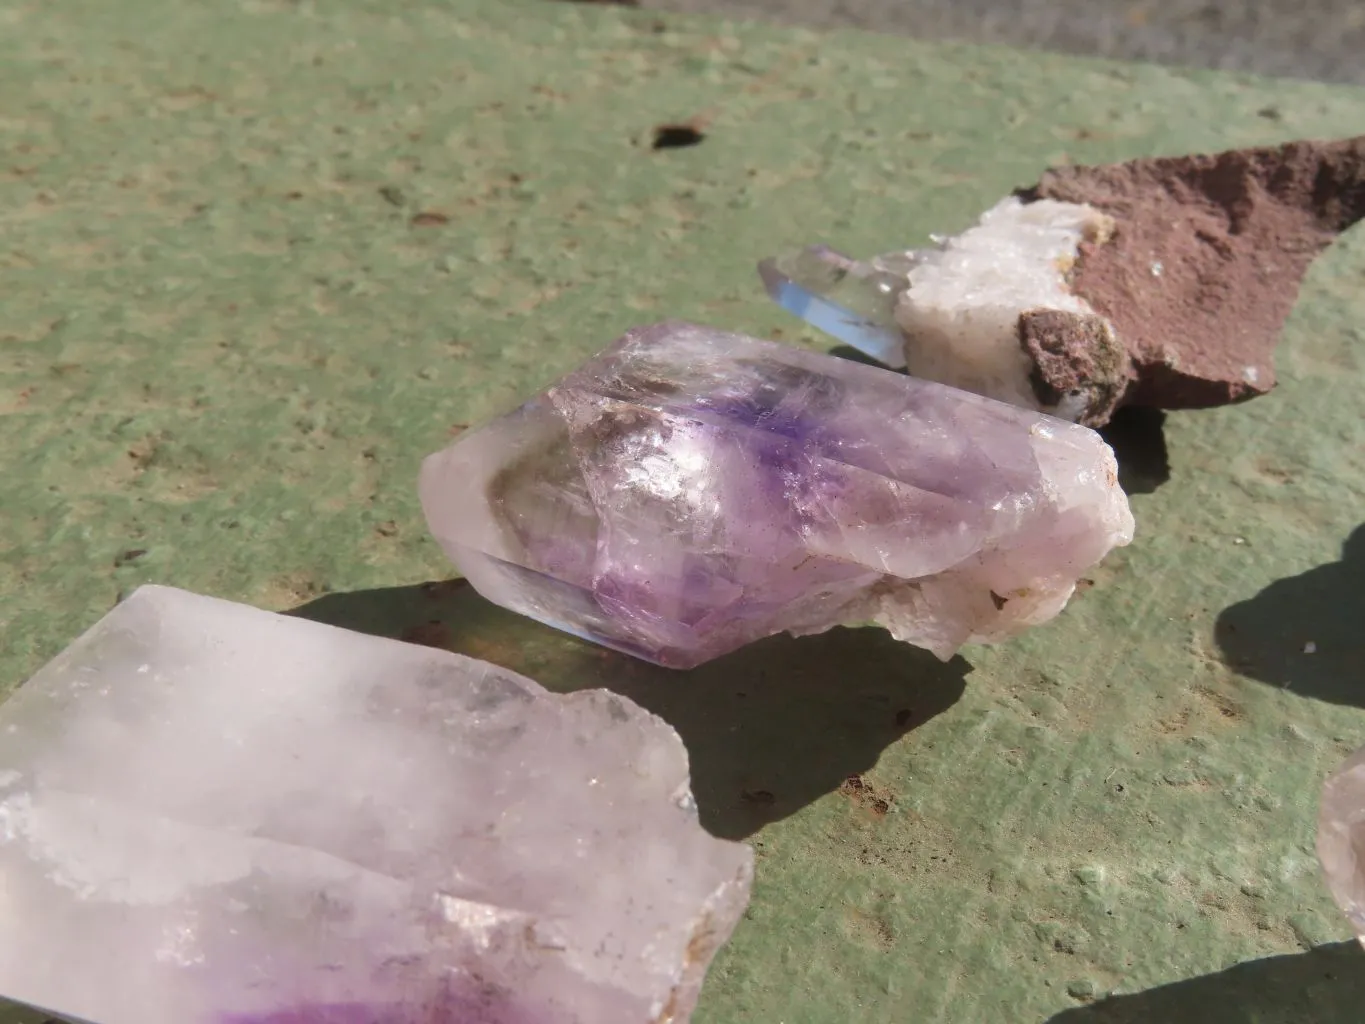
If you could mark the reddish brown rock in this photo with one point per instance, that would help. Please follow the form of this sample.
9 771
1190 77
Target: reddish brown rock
1076 360
1206 258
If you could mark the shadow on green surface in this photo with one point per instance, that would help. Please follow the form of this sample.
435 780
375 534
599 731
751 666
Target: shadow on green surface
1138 437
854 355
1325 985
1306 632
768 729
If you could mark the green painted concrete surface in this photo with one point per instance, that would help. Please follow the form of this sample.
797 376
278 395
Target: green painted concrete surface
225 345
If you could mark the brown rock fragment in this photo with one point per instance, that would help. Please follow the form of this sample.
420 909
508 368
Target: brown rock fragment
1075 357
1204 263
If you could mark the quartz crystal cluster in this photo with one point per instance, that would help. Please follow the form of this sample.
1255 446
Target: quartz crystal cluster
211 814
688 491
1160 282
1341 839
979 311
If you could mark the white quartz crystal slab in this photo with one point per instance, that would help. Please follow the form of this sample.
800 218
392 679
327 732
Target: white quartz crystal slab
212 813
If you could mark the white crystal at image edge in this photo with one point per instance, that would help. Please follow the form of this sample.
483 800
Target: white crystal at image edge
1341 839
213 814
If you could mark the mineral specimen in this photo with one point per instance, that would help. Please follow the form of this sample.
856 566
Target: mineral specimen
1157 282
210 814
955 313
688 491
1206 259
1341 838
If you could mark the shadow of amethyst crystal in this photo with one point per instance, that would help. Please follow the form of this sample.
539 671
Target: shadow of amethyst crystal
769 728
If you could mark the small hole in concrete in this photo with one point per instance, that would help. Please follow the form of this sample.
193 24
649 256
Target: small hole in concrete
676 136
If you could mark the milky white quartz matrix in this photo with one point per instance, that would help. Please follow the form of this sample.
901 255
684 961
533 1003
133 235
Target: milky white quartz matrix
211 814
1341 838
951 313
690 490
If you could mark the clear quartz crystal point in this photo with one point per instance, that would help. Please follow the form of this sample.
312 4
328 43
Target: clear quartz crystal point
690 490
989 310
848 299
1341 839
211 814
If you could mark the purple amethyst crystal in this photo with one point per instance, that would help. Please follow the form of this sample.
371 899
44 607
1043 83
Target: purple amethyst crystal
688 491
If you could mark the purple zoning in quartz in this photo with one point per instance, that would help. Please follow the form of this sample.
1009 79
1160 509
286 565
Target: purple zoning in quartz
688 491
211 814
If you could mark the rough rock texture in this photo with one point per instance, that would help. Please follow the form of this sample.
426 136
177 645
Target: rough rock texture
1075 356
689 490
1341 839
211 813
1206 258
967 311
1195 269
959 312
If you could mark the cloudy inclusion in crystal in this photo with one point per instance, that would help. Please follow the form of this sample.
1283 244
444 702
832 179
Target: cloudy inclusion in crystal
689 490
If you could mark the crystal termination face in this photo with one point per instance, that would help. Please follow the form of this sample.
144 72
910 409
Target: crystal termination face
211 814
689 490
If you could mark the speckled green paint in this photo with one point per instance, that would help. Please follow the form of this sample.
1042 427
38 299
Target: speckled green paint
224 348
